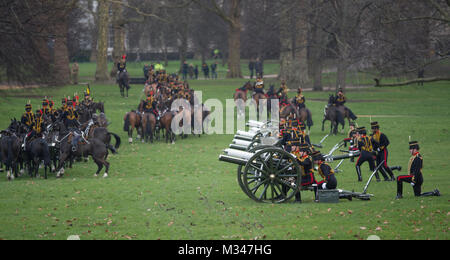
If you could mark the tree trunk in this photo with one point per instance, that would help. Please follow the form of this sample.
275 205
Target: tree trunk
61 68
119 35
102 46
234 41
286 44
234 58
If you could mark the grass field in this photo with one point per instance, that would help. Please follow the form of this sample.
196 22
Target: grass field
182 191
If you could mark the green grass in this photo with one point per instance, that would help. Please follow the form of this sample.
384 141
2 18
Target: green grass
182 191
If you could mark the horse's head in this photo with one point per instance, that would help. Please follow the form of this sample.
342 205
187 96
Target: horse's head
331 100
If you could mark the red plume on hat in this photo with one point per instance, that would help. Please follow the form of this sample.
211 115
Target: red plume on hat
124 56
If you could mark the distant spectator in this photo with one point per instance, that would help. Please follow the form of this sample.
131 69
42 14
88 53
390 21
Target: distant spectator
146 71
191 71
259 68
185 70
75 70
214 70
205 69
421 75
216 54
251 67
196 71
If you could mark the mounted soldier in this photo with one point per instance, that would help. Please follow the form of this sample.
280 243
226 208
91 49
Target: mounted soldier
70 119
339 102
28 119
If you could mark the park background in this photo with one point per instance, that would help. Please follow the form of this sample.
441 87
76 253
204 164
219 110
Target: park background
182 191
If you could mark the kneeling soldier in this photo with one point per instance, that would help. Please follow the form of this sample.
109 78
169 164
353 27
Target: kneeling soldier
415 177
329 180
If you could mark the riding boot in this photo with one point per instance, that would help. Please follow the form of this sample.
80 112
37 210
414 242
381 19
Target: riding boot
316 192
431 193
377 177
391 174
398 168
399 190
383 172
358 172
298 197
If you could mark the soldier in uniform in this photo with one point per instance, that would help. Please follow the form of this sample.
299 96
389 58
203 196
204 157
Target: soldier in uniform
380 143
306 163
329 181
415 176
28 119
45 111
150 106
366 153
299 100
259 87
70 119
121 66
341 99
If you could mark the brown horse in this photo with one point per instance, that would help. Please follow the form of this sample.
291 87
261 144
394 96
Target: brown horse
148 126
289 111
241 95
132 121
166 123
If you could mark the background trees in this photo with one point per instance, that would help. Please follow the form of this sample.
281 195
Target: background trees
308 37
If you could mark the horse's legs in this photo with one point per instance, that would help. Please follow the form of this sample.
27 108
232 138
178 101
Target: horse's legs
99 165
323 124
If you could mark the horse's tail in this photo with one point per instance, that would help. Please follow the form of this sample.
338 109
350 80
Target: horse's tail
118 140
309 120
126 126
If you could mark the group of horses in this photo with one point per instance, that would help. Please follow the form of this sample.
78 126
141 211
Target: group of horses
288 109
53 147
147 124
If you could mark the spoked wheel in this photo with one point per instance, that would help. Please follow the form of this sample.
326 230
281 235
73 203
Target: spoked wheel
240 175
272 175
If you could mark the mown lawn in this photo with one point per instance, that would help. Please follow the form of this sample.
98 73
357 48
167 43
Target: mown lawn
182 191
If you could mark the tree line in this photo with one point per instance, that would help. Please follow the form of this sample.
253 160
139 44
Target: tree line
382 37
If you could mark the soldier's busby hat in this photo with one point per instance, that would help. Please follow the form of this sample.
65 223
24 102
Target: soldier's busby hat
375 125
28 106
362 130
317 156
304 147
299 90
45 102
414 145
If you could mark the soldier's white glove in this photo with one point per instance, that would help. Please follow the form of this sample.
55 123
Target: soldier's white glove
413 184
324 186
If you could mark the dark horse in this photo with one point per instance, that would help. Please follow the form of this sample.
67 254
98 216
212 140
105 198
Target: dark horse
102 134
10 150
36 151
94 147
124 83
334 115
